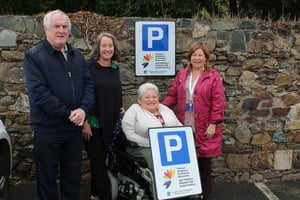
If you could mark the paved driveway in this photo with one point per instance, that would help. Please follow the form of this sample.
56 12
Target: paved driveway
222 191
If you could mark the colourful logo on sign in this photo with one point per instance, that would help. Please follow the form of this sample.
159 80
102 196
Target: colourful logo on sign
147 58
168 175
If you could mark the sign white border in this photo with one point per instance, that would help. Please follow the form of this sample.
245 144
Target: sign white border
178 180
154 62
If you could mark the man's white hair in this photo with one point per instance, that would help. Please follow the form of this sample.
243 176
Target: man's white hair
49 15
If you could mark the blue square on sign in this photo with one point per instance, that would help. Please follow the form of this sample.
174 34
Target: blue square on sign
173 148
155 37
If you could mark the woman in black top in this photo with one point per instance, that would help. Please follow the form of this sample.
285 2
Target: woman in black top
98 128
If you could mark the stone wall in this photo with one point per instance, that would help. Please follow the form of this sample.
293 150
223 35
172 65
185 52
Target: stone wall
259 62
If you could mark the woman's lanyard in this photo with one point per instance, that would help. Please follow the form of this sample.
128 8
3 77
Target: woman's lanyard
189 105
192 86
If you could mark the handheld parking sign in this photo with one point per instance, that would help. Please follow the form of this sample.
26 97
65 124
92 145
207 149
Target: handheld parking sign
155 48
175 162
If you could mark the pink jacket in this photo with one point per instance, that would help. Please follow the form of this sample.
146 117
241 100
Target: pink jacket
209 106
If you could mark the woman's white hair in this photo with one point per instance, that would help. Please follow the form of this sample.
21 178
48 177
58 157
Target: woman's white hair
49 15
145 87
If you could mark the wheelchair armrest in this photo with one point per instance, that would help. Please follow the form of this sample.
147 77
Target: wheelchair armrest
138 161
132 144
122 141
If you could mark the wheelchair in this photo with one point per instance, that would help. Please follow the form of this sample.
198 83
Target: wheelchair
130 178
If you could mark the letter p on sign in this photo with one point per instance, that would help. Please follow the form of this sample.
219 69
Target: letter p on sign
154 33
169 148
173 148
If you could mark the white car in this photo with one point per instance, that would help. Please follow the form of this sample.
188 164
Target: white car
5 162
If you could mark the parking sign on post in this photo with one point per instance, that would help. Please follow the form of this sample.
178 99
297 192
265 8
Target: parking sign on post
155 48
175 162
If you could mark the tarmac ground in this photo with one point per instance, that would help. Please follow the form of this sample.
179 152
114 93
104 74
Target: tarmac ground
221 191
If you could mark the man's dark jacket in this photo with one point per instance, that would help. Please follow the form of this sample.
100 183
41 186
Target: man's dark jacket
56 86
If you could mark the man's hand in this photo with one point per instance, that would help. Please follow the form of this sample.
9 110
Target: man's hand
77 116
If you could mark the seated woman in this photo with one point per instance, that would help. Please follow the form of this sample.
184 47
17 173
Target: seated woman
146 114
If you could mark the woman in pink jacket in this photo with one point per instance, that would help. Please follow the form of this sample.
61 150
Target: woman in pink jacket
198 93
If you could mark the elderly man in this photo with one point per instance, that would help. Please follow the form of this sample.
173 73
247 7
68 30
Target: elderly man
60 92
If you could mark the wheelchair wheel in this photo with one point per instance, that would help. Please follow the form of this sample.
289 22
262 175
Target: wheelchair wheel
114 185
